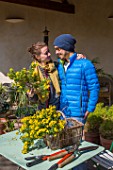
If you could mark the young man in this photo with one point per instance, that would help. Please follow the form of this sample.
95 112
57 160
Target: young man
79 82
78 78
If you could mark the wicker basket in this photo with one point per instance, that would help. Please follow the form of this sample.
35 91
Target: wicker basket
71 135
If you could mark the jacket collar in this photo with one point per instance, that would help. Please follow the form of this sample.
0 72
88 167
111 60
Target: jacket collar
72 58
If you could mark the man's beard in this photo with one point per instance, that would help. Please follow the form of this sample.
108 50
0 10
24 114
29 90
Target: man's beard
63 56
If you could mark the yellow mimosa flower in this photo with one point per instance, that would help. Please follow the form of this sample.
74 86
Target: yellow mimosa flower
46 121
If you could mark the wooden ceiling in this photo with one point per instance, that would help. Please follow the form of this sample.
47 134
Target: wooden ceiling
62 6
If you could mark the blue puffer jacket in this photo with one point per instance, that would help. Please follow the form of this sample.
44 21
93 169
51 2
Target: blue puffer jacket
79 87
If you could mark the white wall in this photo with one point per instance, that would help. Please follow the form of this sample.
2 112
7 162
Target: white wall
90 26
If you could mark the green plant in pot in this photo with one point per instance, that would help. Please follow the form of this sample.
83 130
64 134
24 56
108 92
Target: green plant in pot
91 128
4 100
106 129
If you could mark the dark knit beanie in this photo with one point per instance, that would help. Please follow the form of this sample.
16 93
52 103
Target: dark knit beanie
65 42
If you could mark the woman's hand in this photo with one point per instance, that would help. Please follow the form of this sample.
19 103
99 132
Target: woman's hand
30 93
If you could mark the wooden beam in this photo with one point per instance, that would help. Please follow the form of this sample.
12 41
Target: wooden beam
46 4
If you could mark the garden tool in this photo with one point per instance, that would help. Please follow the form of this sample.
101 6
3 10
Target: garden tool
58 154
70 157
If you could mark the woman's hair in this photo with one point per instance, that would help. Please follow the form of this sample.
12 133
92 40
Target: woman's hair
35 49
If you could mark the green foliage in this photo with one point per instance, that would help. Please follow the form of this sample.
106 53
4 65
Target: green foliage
26 110
93 123
4 99
95 118
106 129
101 110
10 125
101 120
100 71
109 113
25 81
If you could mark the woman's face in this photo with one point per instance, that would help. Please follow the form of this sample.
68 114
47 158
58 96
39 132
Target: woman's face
44 55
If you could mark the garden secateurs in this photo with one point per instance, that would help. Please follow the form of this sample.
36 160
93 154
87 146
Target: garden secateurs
71 156
66 155
58 154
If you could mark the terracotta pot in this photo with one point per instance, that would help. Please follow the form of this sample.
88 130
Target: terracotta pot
92 137
2 128
2 125
105 142
4 120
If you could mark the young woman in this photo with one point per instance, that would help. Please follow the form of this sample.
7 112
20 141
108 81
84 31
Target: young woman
45 69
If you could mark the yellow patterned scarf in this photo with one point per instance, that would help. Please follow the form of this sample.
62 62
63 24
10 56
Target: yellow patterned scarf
53 73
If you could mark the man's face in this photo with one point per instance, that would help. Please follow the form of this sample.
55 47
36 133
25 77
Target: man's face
60 53
44 55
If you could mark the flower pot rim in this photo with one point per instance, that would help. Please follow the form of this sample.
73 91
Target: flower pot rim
3 120
105 138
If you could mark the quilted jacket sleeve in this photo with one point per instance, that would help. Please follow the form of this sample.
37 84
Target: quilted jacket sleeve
92 84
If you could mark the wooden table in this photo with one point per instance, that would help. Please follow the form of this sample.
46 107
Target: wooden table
11 146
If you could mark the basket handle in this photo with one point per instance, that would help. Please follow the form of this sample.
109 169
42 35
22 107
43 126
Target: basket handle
63 115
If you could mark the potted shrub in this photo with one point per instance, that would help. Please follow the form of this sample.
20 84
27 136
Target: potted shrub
4 100
5 103
106 129
91 128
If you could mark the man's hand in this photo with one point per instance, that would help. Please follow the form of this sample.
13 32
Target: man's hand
86 114
80 56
